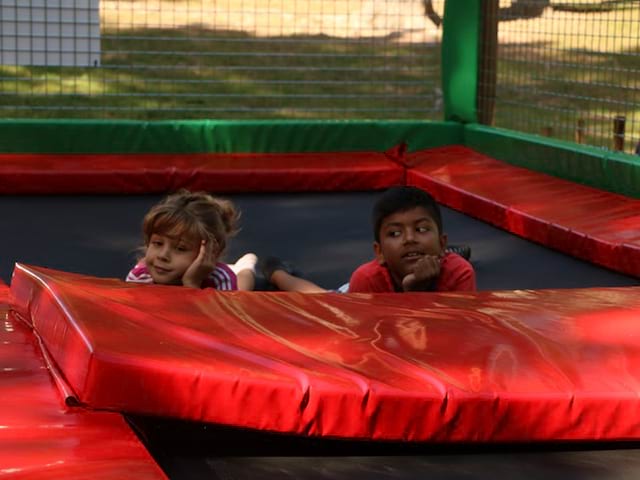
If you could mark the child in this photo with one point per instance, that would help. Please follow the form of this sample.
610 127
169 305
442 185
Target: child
184 237
410 251
410 248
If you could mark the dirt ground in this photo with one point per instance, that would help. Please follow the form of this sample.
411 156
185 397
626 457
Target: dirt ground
402 20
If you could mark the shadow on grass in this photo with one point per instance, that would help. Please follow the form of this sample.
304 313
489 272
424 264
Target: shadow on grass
196 72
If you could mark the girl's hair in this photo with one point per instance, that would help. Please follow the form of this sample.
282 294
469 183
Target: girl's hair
197 215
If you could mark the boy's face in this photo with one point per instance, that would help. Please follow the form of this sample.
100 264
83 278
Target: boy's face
167 258
405 238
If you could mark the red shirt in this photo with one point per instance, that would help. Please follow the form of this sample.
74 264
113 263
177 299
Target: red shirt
456 274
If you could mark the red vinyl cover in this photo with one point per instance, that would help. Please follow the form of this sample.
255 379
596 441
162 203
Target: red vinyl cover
223 173
42 438
512 366
598 226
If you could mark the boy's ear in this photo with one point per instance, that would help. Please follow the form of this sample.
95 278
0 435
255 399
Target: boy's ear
377 249
443 242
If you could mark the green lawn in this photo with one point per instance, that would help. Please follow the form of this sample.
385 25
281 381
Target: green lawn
547 77
173 73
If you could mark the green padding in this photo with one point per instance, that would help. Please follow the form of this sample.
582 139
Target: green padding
460 59
606 170
82 136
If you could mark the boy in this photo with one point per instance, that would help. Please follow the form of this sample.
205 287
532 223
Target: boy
410 248
410 251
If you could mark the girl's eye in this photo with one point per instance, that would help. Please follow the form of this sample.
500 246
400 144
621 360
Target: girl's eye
156 243
182 248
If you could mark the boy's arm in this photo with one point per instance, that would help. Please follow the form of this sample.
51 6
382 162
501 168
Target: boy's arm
449 274
424 276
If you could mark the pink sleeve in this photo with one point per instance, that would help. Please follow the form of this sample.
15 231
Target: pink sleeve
222 278
139 274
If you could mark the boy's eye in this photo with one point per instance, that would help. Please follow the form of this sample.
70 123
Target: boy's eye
182 248
422 229
393 233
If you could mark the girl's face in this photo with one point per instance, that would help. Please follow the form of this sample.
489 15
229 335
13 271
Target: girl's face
167 258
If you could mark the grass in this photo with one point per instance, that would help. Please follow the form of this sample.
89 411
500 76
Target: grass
593 5
204 72
541 89
334 59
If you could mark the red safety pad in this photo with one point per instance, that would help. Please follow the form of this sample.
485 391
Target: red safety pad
447 367
290 172
598 226
40 437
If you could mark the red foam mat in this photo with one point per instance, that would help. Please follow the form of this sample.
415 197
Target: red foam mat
598 226
42 438
450 367
223 173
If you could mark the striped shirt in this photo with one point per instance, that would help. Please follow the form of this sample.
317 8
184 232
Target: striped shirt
221 278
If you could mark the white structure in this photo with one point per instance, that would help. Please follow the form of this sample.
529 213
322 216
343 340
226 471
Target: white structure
50 32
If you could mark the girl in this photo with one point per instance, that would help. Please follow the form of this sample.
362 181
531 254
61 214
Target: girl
184 237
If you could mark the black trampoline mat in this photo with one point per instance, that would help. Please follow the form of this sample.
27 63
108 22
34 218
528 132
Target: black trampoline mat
326 236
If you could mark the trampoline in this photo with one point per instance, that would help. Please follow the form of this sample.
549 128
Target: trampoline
325 235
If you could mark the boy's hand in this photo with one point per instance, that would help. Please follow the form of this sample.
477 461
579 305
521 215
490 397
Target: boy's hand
201 267
424 275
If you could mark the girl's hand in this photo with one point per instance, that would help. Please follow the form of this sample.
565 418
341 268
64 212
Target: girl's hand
424 276
202 265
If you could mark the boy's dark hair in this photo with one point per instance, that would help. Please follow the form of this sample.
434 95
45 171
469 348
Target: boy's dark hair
401 199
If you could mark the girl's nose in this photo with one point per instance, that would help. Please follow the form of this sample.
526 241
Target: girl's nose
164 252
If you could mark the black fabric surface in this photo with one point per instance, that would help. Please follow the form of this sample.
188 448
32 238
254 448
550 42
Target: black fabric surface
326 236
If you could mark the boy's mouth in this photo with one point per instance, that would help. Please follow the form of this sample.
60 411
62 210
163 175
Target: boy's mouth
413 255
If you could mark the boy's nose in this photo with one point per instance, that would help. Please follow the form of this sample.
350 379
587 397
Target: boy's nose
409 235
